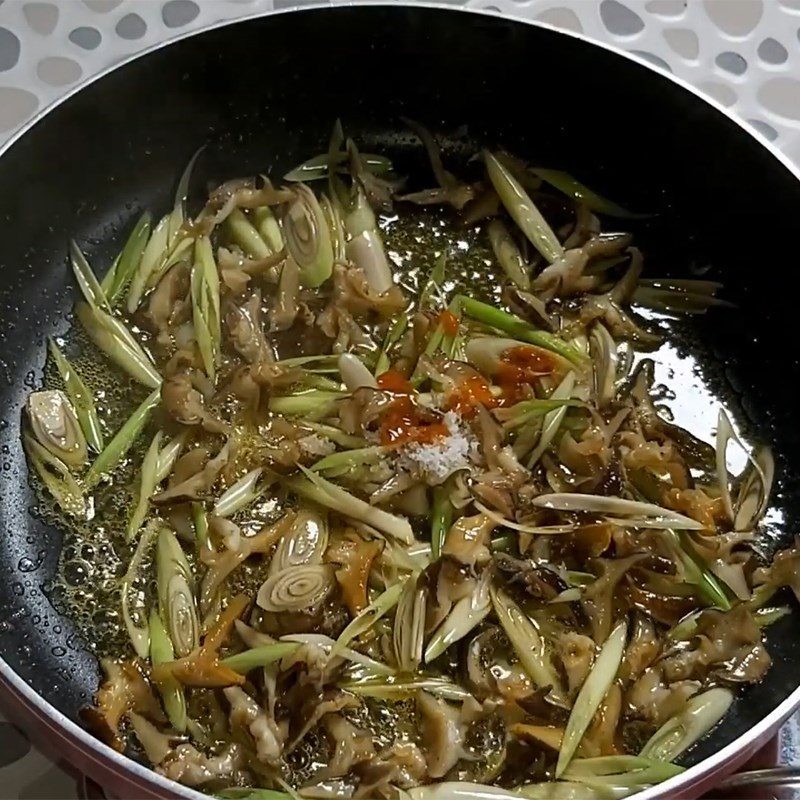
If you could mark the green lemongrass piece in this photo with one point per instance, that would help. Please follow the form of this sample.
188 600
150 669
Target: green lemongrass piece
441 519
597 504
242 232
553 419
518 328
129 259
242 494
113 338
370 665
80 396
153 253
172 694
321 363
550 790
205 306
503 544
528 644
200 520
528 410
465 615
147 486
680 732
314 402
368 616
341 438
168 455
314 487
308 238
259 656
591 694
392 337
117 448
697 573
268 228
396 689
314 380
176 590
204 255
686 628
675 302
434 284
87 281
508 255
318 167
333 219
631 771
56 477
138 634
573 188
522 209
569 790
354 374
351 458
765 617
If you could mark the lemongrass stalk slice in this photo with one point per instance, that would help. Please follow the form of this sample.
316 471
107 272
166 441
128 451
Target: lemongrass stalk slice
317 168
465 615
441 519
242 494
605 359
55 425
351 458
172 694
337 436
522 209
571 187
168 455
81 397
408 631
368 616
268 228
117 280
591 694
56 477
315 488
261 656
680 732
518 526
373 667
244 233
139 634
314 402
118 447
597 504
176 589
553 419
508 255
354 374
87 281
756 488
399 688
308 238
147 486
153 252
528 644
296 588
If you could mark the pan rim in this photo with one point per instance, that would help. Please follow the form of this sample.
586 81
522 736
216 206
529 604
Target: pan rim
87 743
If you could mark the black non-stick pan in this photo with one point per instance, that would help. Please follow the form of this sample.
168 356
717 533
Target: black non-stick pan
262 94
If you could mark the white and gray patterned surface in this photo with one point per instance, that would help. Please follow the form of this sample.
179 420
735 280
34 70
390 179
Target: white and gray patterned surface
744 53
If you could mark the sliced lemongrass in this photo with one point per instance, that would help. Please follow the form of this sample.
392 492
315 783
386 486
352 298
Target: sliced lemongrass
152 254
354 374
399 688
726 432
465 615
315 402
242 494
368 616
176 590
200 521
242 232
168 455
128 262
526 410
80 396
337 436
268 228
572 595
172 694
517 328
553 419
696 571
351 458
441 519
261 656
408 630
508 255
147 485
370 664
138 634
56 477
308 238
113 338
87 281
680 732
398 328
434 285
605 359
118 447
612 771
528 644
318 167
756 488
591 694
316 488
571 187
598 504
522 209
518 526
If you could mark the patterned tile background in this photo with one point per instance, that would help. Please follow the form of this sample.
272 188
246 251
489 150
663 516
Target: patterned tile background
744 53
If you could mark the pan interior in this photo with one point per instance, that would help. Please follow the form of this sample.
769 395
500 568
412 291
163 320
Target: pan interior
262 95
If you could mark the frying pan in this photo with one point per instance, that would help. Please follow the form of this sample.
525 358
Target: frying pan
262 94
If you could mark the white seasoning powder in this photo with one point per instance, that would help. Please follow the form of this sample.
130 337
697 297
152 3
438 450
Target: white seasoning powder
315 445
435 461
